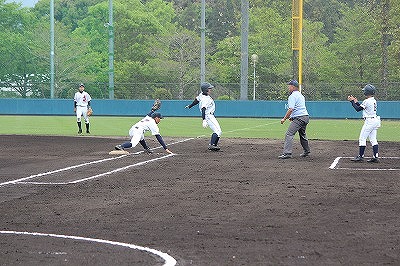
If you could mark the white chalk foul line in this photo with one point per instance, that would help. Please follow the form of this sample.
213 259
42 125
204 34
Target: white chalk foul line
337 159
22 180
169 261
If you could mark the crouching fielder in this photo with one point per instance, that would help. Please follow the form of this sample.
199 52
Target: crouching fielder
148 123
371 123
207 109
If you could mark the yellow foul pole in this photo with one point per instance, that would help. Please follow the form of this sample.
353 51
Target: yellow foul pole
297 37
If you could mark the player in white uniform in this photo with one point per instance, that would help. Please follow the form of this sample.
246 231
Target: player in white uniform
81 105
148 123
371 123
207 109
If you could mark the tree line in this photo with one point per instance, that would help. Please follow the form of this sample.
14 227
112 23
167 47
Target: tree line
347 43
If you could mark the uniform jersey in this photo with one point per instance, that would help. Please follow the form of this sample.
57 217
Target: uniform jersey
147 124
82 98
297 102
207 102
369 107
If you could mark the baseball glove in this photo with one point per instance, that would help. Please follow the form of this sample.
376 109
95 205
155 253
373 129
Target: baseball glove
89 111
156 105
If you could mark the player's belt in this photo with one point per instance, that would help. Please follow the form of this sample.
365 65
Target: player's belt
369 117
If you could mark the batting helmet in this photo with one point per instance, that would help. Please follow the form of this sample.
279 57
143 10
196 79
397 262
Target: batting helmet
369 90
205 86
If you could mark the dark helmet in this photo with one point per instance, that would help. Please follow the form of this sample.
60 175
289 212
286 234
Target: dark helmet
154 115
369 90
205 86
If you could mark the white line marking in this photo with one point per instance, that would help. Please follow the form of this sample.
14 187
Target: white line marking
241 129
336 161
61 170
169 261
120 169
21 180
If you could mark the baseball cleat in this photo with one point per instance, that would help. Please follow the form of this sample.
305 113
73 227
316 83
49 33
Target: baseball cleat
148 151
87 131
80 131
373 160
305 154
119 148
156 105
212 147
285 156
358 158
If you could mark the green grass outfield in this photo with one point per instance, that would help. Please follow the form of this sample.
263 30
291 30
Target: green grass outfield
323 129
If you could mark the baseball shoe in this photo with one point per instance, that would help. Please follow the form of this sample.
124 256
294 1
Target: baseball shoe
156 105
119 148
358 158
148 151
87 131
285 156
213 147
373 160
305 154
80 131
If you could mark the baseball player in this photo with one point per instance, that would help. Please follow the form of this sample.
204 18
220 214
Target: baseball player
371 123
148 123
81 105
207 109
299 119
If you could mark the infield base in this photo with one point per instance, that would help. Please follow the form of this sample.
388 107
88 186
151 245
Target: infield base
115 152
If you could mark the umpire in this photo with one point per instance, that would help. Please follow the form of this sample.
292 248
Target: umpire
298 115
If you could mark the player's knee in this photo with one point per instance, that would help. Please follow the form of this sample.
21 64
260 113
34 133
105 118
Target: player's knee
374 142
362 142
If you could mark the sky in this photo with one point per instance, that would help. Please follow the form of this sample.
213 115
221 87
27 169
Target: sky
25 3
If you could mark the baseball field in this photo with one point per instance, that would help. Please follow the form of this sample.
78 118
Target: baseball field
64 200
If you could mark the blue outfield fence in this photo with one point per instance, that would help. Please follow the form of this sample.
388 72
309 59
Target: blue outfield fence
176 108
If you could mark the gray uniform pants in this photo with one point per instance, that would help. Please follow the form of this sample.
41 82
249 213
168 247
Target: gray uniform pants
297 124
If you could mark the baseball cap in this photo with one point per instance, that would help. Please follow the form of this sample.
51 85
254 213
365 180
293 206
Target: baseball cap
154 115
81 85
294 83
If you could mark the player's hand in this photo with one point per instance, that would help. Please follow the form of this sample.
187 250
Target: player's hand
351 98
283 120
205 124
168 151
74 110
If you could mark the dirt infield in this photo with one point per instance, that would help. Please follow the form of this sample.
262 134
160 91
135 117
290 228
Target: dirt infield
239 206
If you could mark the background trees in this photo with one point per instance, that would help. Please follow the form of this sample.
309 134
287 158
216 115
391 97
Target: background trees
347 43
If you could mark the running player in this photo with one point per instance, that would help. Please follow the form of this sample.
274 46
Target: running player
207 109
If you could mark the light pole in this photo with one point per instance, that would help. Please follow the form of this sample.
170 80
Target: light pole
254 58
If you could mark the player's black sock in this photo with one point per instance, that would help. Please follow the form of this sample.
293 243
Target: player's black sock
216 142
87 128
79 126
362 151
375 150
144 144
126 145
214 139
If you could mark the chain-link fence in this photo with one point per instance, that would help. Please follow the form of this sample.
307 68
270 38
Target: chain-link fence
222 91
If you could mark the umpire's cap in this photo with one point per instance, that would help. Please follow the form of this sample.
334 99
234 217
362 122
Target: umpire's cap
294 83
154 115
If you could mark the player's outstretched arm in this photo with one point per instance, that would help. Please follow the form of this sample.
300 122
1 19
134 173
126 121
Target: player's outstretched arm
161 141
195 102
